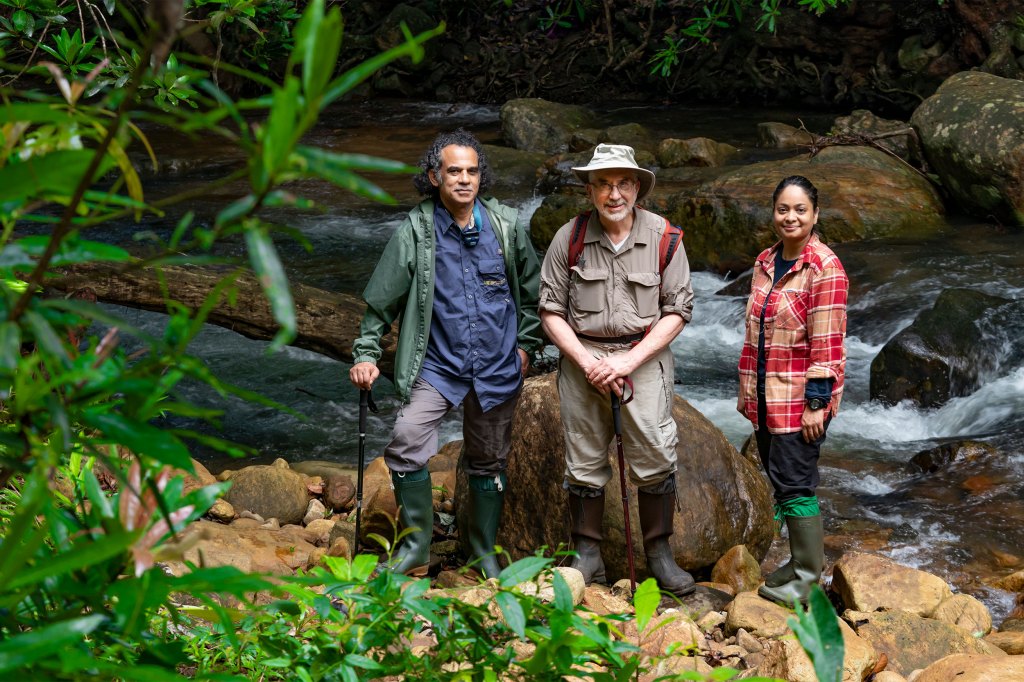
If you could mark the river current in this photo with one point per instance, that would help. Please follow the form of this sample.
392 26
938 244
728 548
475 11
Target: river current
965 522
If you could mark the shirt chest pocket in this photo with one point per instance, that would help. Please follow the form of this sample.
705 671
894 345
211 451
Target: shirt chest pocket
791 309
645 287
588 290
492 277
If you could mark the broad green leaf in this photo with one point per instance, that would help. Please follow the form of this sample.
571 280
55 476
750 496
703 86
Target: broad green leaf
32 645
356 75
513 612
82 556
305 33
58 173
317 72
139 437
46 337
235 210
645 602
363 662
274 282
323 158
525 569
820 636
281 131
563 595
33 113
10 345
74 250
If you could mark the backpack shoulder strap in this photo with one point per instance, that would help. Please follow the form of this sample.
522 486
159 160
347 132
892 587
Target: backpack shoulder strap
670 240
579 231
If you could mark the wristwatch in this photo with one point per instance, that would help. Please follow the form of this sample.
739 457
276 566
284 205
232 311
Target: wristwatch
817 404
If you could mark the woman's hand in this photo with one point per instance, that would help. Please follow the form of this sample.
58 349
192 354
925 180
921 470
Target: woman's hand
812 424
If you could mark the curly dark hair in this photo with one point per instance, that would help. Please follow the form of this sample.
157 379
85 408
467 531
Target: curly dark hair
431 161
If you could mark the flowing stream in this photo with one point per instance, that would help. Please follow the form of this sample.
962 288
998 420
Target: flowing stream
965 522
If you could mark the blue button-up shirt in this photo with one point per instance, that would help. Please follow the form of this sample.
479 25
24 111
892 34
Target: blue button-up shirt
473 327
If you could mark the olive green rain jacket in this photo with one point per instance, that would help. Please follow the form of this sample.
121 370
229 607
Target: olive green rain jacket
402 285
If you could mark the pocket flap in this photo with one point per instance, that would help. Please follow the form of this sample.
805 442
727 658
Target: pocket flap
491 266
590 274
647 279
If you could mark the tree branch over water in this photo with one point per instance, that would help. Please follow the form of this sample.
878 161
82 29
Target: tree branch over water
326 322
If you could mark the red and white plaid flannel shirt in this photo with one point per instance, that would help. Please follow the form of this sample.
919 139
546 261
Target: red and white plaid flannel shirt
804 333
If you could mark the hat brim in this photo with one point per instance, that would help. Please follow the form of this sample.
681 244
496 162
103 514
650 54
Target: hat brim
645 176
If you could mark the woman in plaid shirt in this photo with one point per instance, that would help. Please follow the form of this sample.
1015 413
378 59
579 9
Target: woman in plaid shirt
791 374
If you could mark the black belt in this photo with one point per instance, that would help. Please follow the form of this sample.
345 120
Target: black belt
629 338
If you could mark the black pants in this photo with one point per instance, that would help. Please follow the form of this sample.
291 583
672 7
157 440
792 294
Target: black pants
790 462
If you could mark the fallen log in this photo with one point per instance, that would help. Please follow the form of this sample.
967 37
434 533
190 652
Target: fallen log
326 322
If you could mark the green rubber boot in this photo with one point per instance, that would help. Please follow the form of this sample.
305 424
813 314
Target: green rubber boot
486 500
415 511
785 573
807 546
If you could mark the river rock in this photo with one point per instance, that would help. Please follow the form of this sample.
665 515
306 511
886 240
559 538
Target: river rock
272 491
775 135
888 676
541 126
599 599
633 135
738 569
940 355
757 616
911 642
392 31
199 478
251 550
723 500
1011 583
1010 642
973 138
787 660
965 612
931 460
866 582
694 151
668 629
514 167
380 510
863 193
864 123
974 668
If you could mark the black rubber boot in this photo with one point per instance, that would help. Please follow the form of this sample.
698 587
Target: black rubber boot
586 513
807 546
656 513
415 511
486 500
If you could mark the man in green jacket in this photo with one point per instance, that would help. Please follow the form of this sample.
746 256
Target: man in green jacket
461 276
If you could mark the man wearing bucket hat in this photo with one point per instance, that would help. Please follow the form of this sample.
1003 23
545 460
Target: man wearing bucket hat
461 274
612 298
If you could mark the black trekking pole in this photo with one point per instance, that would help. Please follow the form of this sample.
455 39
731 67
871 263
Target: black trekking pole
365 403
617 420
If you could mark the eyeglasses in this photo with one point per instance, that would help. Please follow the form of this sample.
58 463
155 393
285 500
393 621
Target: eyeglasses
624 187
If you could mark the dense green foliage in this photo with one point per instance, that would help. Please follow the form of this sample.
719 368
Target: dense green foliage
92 490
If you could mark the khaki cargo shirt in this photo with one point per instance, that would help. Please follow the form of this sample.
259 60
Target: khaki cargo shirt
615 294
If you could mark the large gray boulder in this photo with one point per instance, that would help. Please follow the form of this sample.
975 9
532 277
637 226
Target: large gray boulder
541 126
723 499
973 137
863 193
940 355
912 642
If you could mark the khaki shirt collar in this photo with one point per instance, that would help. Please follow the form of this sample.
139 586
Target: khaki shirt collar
595 230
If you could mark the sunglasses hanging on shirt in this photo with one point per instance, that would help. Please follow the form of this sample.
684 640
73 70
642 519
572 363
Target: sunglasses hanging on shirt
471 234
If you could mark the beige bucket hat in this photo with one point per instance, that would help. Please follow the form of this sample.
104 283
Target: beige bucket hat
616 156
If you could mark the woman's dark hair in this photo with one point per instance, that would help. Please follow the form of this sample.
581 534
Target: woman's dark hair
431 161
800 181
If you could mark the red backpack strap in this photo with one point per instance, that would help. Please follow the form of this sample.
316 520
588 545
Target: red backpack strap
670 240
579 232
